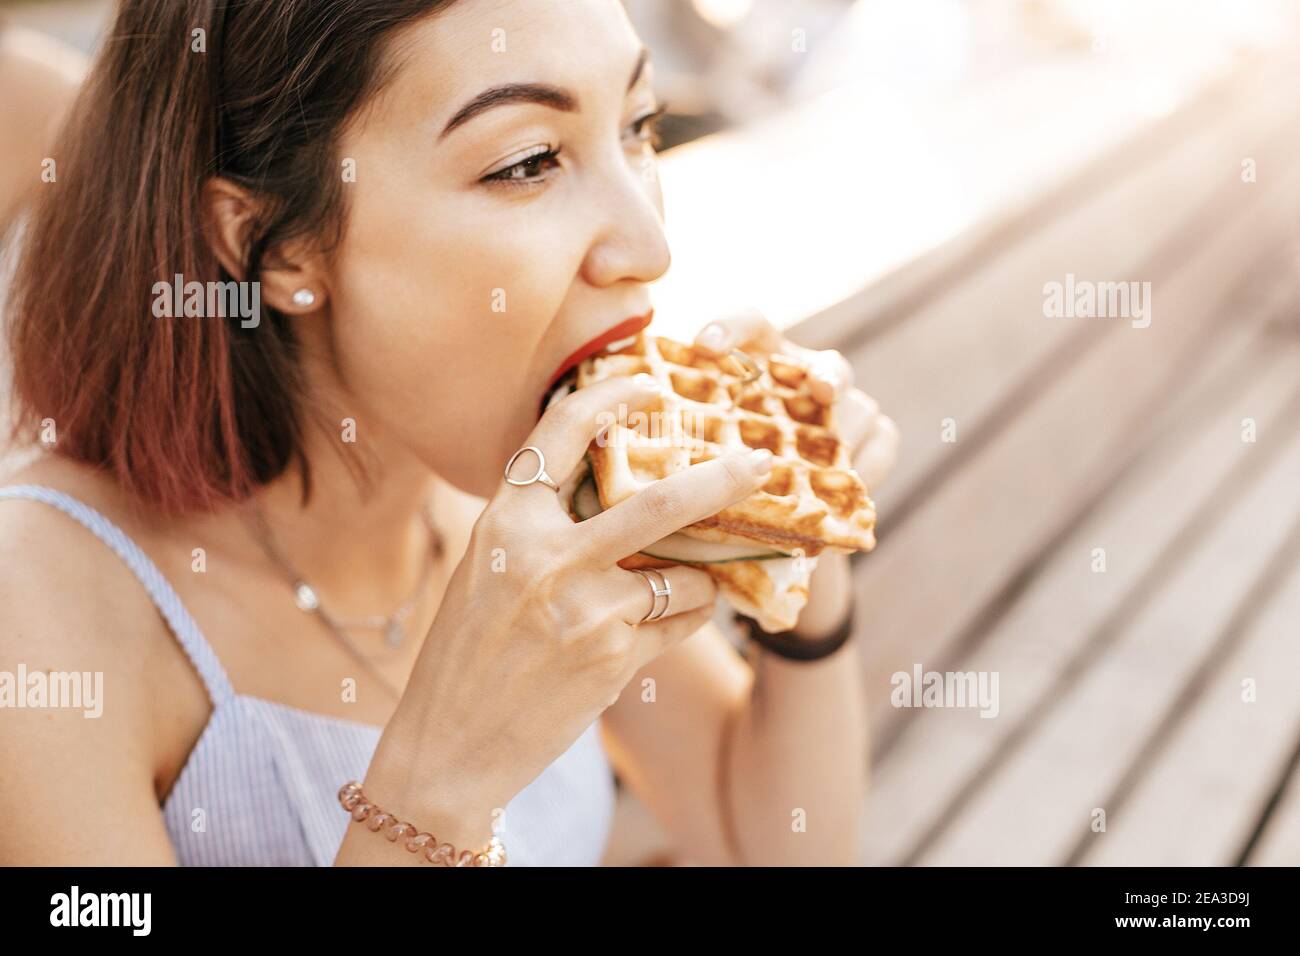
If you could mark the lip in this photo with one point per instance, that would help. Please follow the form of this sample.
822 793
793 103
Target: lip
624 329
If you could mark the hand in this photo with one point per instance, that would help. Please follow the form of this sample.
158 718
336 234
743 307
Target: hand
538 631
873 437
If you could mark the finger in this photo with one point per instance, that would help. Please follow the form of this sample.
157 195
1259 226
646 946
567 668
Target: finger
856 415
689 588
567 428
669 504
830 373
749 328
875 462
830 376
655 638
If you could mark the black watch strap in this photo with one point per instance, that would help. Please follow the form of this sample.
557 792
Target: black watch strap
791 646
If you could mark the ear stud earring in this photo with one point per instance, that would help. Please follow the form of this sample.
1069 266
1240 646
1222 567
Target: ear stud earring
304 298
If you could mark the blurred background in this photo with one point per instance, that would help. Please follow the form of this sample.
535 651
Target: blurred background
1099 510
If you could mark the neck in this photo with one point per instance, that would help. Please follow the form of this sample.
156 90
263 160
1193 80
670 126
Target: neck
362 545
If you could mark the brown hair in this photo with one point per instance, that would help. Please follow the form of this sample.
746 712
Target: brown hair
188 413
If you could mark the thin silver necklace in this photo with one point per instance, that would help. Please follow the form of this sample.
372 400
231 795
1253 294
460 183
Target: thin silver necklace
307 599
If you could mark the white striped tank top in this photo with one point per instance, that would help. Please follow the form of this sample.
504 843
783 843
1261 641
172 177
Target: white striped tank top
260 787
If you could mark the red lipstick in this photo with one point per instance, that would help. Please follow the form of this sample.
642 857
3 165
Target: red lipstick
625 329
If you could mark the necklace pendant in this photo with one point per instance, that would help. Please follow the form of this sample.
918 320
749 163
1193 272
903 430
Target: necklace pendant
305 597
393 633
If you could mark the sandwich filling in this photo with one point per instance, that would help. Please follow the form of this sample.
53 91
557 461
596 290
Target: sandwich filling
678 546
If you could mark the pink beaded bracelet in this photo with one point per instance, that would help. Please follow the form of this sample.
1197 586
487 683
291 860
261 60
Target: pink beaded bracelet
415 841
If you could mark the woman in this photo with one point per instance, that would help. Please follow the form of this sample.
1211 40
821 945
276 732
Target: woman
444 204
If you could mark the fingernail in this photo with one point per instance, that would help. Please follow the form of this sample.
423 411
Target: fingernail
762 460
713 338
828 372
646 381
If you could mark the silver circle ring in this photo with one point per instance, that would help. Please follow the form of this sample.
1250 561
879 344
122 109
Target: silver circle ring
540 475
660 589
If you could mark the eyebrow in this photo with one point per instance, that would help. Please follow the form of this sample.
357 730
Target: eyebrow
540 93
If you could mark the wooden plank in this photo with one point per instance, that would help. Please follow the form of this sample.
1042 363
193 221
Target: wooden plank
1279 842
914 285
972 346
948 165
1200 798
940 751
1038 804
1013 498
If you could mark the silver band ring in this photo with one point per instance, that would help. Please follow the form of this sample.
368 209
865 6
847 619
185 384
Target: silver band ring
540 476
661 590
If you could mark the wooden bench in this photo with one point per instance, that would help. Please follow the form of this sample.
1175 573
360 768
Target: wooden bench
1120 690
1164 690
1091 434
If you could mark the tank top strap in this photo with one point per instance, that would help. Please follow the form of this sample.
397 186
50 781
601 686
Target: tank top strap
167 601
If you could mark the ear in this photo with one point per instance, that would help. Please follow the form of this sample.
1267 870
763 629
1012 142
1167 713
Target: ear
287 271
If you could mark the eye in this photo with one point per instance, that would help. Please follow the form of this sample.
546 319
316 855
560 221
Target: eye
645 129
530 169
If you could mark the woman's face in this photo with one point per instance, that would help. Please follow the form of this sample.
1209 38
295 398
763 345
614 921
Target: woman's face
505 215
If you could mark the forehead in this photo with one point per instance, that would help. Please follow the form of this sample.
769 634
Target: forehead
588 46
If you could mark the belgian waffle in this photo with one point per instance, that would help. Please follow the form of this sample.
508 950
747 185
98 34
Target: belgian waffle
813 499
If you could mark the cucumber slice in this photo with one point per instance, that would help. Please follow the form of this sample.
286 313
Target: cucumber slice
677 546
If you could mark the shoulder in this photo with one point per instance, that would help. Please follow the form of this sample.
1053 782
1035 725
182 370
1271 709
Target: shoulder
41 542
76 631
67 602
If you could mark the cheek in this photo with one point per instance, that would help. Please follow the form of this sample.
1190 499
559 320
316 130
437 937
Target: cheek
437 320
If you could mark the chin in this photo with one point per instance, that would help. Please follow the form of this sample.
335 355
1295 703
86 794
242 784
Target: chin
477 471
471 472
484 487
475 465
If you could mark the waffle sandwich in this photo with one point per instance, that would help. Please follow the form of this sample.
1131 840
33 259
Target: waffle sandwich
761 551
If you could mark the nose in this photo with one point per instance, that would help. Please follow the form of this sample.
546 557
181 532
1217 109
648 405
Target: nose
629 241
